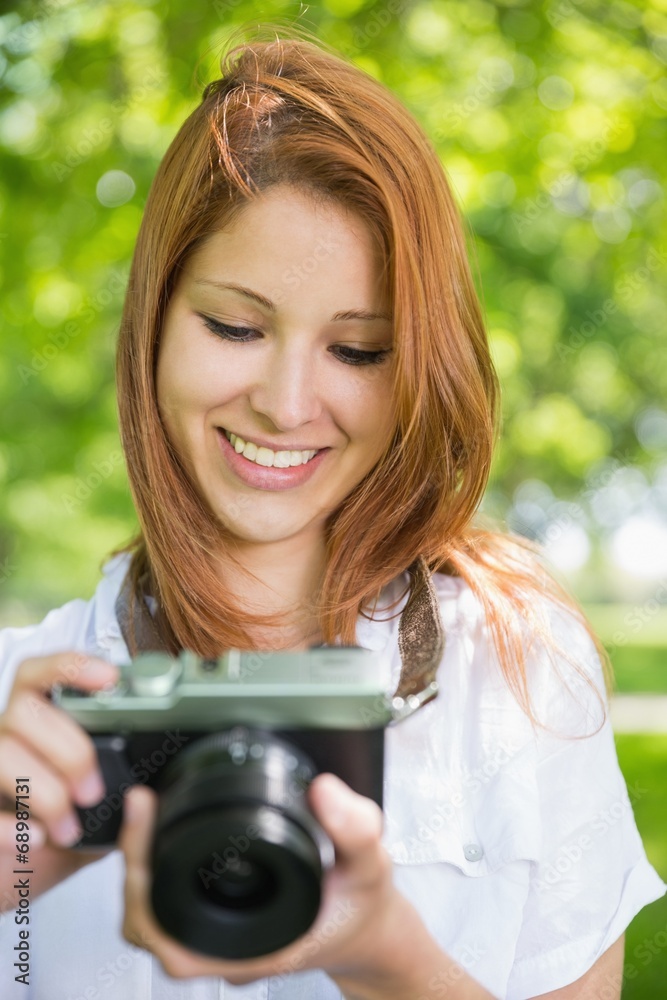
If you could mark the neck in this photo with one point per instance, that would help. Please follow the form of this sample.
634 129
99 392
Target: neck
283 577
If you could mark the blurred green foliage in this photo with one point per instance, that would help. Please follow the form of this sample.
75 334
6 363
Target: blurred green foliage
550 121
643 760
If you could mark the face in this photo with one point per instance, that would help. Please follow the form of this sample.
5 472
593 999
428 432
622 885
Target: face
298 363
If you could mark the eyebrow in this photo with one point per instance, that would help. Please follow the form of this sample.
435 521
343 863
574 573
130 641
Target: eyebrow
364 314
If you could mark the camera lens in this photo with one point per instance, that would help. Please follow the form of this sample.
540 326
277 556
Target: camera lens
238 857
244 884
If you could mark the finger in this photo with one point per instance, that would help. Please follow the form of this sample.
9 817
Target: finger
62 743
139 811
49 795
353 822
140 926
73 669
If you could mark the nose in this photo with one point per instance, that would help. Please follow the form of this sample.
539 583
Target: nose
287 390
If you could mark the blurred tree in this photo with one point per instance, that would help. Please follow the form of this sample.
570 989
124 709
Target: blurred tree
550 121
549 118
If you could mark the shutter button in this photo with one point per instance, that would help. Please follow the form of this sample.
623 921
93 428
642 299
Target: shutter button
472 852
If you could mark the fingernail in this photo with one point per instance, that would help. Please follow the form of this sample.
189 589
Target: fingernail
37 836
67 831
338 806
98 666
130 810
91 790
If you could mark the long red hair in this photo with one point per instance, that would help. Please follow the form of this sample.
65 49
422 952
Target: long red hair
287 109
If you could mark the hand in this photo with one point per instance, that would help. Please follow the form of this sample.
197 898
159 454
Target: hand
358 909
39 741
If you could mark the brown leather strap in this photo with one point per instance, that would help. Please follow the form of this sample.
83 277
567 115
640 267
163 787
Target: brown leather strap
135 617
421 637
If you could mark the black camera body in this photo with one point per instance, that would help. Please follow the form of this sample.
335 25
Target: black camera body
231 746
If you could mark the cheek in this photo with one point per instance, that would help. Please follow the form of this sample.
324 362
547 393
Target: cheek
373 414
189 384
177 397
168 398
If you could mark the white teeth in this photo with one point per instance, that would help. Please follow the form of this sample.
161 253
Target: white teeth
267 457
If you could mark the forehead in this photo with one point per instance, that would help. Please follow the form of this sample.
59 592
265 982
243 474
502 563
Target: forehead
301 243
283 211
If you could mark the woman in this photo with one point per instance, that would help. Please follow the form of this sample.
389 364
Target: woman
307 407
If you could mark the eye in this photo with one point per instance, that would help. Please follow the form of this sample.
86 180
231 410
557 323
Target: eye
244 335
237 334
352 356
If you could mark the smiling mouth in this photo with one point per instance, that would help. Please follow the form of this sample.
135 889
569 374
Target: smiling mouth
266 457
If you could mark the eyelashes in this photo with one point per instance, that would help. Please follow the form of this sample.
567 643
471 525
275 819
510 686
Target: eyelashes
226 332
246 335
352 356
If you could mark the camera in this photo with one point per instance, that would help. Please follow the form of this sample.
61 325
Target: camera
231 745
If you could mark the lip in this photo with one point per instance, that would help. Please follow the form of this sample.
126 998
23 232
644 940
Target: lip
263 478
279 446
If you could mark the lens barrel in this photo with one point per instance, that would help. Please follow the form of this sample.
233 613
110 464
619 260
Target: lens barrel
238 857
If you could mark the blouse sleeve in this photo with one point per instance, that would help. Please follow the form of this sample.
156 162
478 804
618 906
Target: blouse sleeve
593 875
61 629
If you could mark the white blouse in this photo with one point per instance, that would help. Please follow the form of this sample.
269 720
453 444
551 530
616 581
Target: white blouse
518 848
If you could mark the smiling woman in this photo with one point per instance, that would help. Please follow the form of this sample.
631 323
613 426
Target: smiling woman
308 411
260 399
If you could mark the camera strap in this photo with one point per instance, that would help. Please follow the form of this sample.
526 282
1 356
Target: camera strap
421 637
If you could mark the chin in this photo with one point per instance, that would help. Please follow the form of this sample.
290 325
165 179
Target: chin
258 534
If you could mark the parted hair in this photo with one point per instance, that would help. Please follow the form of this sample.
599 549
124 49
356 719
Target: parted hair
287 109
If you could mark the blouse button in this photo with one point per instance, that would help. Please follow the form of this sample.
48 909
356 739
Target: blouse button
472 852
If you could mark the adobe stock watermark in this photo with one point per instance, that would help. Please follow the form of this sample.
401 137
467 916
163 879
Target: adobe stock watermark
571 854
446 980
472 782
24 34
223 7
85 486
641 614
560 12
7 569
59 341
296 274
644 953
314 940
231 857
487 85
647 951
105 638
230 860
373 26
571 512
140 773
96 135
110 972
597 318
68 675
585 157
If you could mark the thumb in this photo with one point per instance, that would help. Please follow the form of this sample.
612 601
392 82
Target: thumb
353 821
139 809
